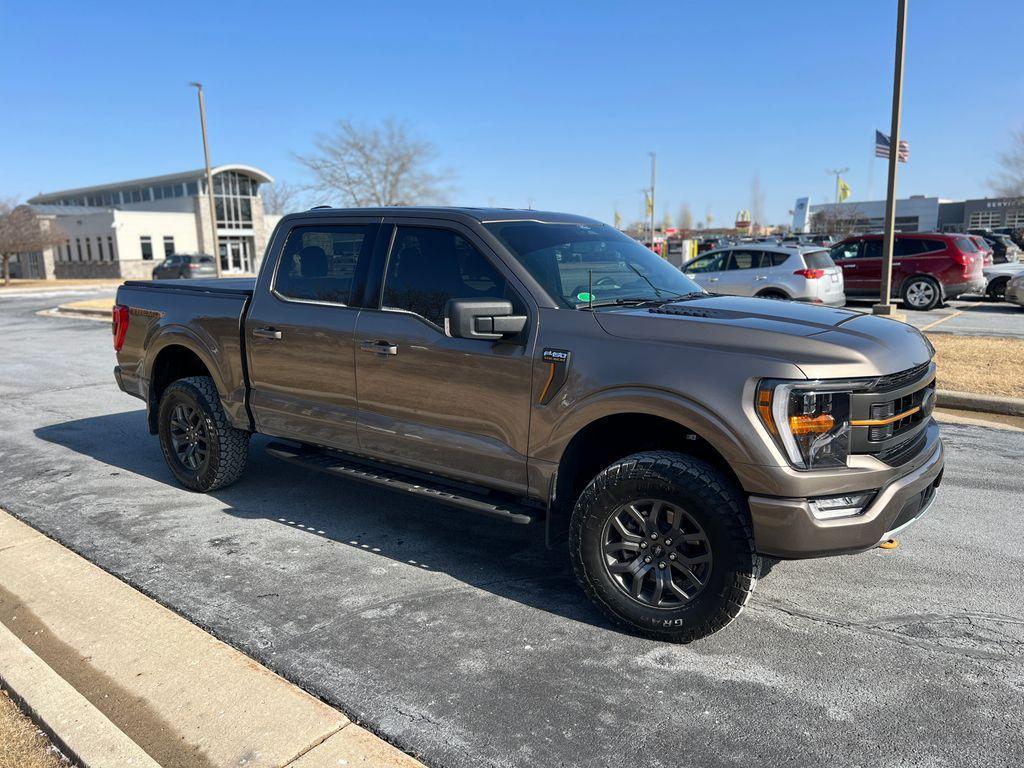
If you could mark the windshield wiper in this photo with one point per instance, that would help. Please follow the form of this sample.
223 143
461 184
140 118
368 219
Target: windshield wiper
657 291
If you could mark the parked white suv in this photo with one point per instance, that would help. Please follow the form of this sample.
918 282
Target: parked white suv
774 272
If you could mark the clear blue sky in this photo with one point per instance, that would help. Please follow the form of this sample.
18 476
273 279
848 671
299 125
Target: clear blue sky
557 103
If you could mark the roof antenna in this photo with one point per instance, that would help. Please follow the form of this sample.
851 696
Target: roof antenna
590 288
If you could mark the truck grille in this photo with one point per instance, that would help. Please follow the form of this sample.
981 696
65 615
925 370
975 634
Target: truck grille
889 420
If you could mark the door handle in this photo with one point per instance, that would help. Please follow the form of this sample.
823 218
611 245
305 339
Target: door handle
266 333
896 263
712 279
760 277
849 266
379 347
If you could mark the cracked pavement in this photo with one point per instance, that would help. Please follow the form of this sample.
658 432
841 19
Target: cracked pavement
466 643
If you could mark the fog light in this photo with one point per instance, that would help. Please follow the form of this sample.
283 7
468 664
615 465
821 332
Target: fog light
831 507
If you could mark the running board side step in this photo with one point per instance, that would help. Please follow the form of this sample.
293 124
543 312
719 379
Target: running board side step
414 484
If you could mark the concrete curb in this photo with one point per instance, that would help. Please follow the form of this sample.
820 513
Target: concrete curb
74 725
967 401
65 309
115 678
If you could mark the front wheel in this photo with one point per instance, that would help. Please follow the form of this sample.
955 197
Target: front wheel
201 448
921 293
662 543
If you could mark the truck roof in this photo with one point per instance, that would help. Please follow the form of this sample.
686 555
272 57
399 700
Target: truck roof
477 213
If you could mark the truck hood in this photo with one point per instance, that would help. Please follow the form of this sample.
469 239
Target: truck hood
823 342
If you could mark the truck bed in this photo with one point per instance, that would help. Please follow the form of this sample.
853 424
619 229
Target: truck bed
243 286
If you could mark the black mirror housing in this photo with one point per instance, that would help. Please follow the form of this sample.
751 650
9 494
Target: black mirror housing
490 319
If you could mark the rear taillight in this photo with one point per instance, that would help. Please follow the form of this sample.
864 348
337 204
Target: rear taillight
810 274
119 327
193 266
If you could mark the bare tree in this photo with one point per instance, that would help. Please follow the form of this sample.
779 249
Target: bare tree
23 231
840 220
1009 182
378 165
281 197
685 218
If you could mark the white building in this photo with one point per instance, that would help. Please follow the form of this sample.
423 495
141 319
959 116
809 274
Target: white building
913 214
123 229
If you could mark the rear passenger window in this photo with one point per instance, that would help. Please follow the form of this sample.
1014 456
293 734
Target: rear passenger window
429 266
319 263
908 247
773 259
743 259
872 249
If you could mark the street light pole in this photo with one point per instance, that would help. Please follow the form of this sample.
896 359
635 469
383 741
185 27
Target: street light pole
884 305
209 178
654 163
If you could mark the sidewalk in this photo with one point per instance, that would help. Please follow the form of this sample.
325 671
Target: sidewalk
117 679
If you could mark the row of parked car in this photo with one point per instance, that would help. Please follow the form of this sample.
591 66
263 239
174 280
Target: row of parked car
928 269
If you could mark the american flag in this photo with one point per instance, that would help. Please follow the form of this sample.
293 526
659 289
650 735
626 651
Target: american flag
882 145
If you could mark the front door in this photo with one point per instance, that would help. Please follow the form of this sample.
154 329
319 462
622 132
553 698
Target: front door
861 262
299 334
457 407
707 270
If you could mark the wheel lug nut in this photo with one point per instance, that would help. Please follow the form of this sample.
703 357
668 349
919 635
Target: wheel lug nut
672 556
661 564
647 559
668 542
654 536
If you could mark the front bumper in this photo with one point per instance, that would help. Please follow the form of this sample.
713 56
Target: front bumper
786 528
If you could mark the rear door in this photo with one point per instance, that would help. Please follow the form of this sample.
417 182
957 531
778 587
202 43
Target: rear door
457 407
299 332
740 277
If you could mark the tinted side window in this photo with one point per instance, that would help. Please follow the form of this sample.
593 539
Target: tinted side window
845 250
872 249
905 247
933 245
429 266
743 260
319 263
773 259
710 263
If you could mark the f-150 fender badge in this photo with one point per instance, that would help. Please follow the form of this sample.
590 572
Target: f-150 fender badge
558 372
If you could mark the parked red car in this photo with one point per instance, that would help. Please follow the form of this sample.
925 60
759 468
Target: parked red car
927 269
985 248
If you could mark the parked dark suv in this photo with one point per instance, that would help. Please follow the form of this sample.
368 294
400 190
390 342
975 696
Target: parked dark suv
179 265
927 268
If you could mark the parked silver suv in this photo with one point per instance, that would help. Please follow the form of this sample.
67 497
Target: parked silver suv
774 272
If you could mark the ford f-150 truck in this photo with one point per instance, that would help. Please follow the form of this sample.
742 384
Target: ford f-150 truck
545 367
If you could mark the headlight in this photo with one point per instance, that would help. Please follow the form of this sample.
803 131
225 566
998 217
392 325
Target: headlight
809 420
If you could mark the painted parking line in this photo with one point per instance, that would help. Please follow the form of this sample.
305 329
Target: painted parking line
942 320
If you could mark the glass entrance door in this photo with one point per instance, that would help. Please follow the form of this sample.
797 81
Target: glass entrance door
235 254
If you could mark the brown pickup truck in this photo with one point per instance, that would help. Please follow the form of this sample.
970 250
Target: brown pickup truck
545 367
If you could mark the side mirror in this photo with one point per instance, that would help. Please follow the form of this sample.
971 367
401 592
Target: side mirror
482 319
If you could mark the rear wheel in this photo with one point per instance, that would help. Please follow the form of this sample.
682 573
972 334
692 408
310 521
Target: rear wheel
921 293
201 448
997 288
662 543
772 294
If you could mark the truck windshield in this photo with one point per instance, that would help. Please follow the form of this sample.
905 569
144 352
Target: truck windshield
571 260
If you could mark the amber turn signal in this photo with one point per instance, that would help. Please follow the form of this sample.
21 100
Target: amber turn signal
806 425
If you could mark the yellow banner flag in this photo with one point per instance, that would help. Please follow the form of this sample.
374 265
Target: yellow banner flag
650 204
844 190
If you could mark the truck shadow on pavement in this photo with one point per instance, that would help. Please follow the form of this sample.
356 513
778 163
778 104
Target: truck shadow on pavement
504 559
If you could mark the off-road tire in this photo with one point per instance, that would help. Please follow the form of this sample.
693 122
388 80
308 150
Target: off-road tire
711 499
919 283
997 289
228 448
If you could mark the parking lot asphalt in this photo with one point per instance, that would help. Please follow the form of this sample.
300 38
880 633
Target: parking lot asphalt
465 642
968 316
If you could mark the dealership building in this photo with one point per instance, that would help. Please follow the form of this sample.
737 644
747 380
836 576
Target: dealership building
917 213
122 229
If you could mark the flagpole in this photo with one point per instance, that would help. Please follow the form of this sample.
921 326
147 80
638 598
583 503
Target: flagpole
884 305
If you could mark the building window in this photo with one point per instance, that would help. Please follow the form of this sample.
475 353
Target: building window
233 193
110 247
192 188
78 246
99 248
1015 219
88 250
147 248
168 246
984 220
